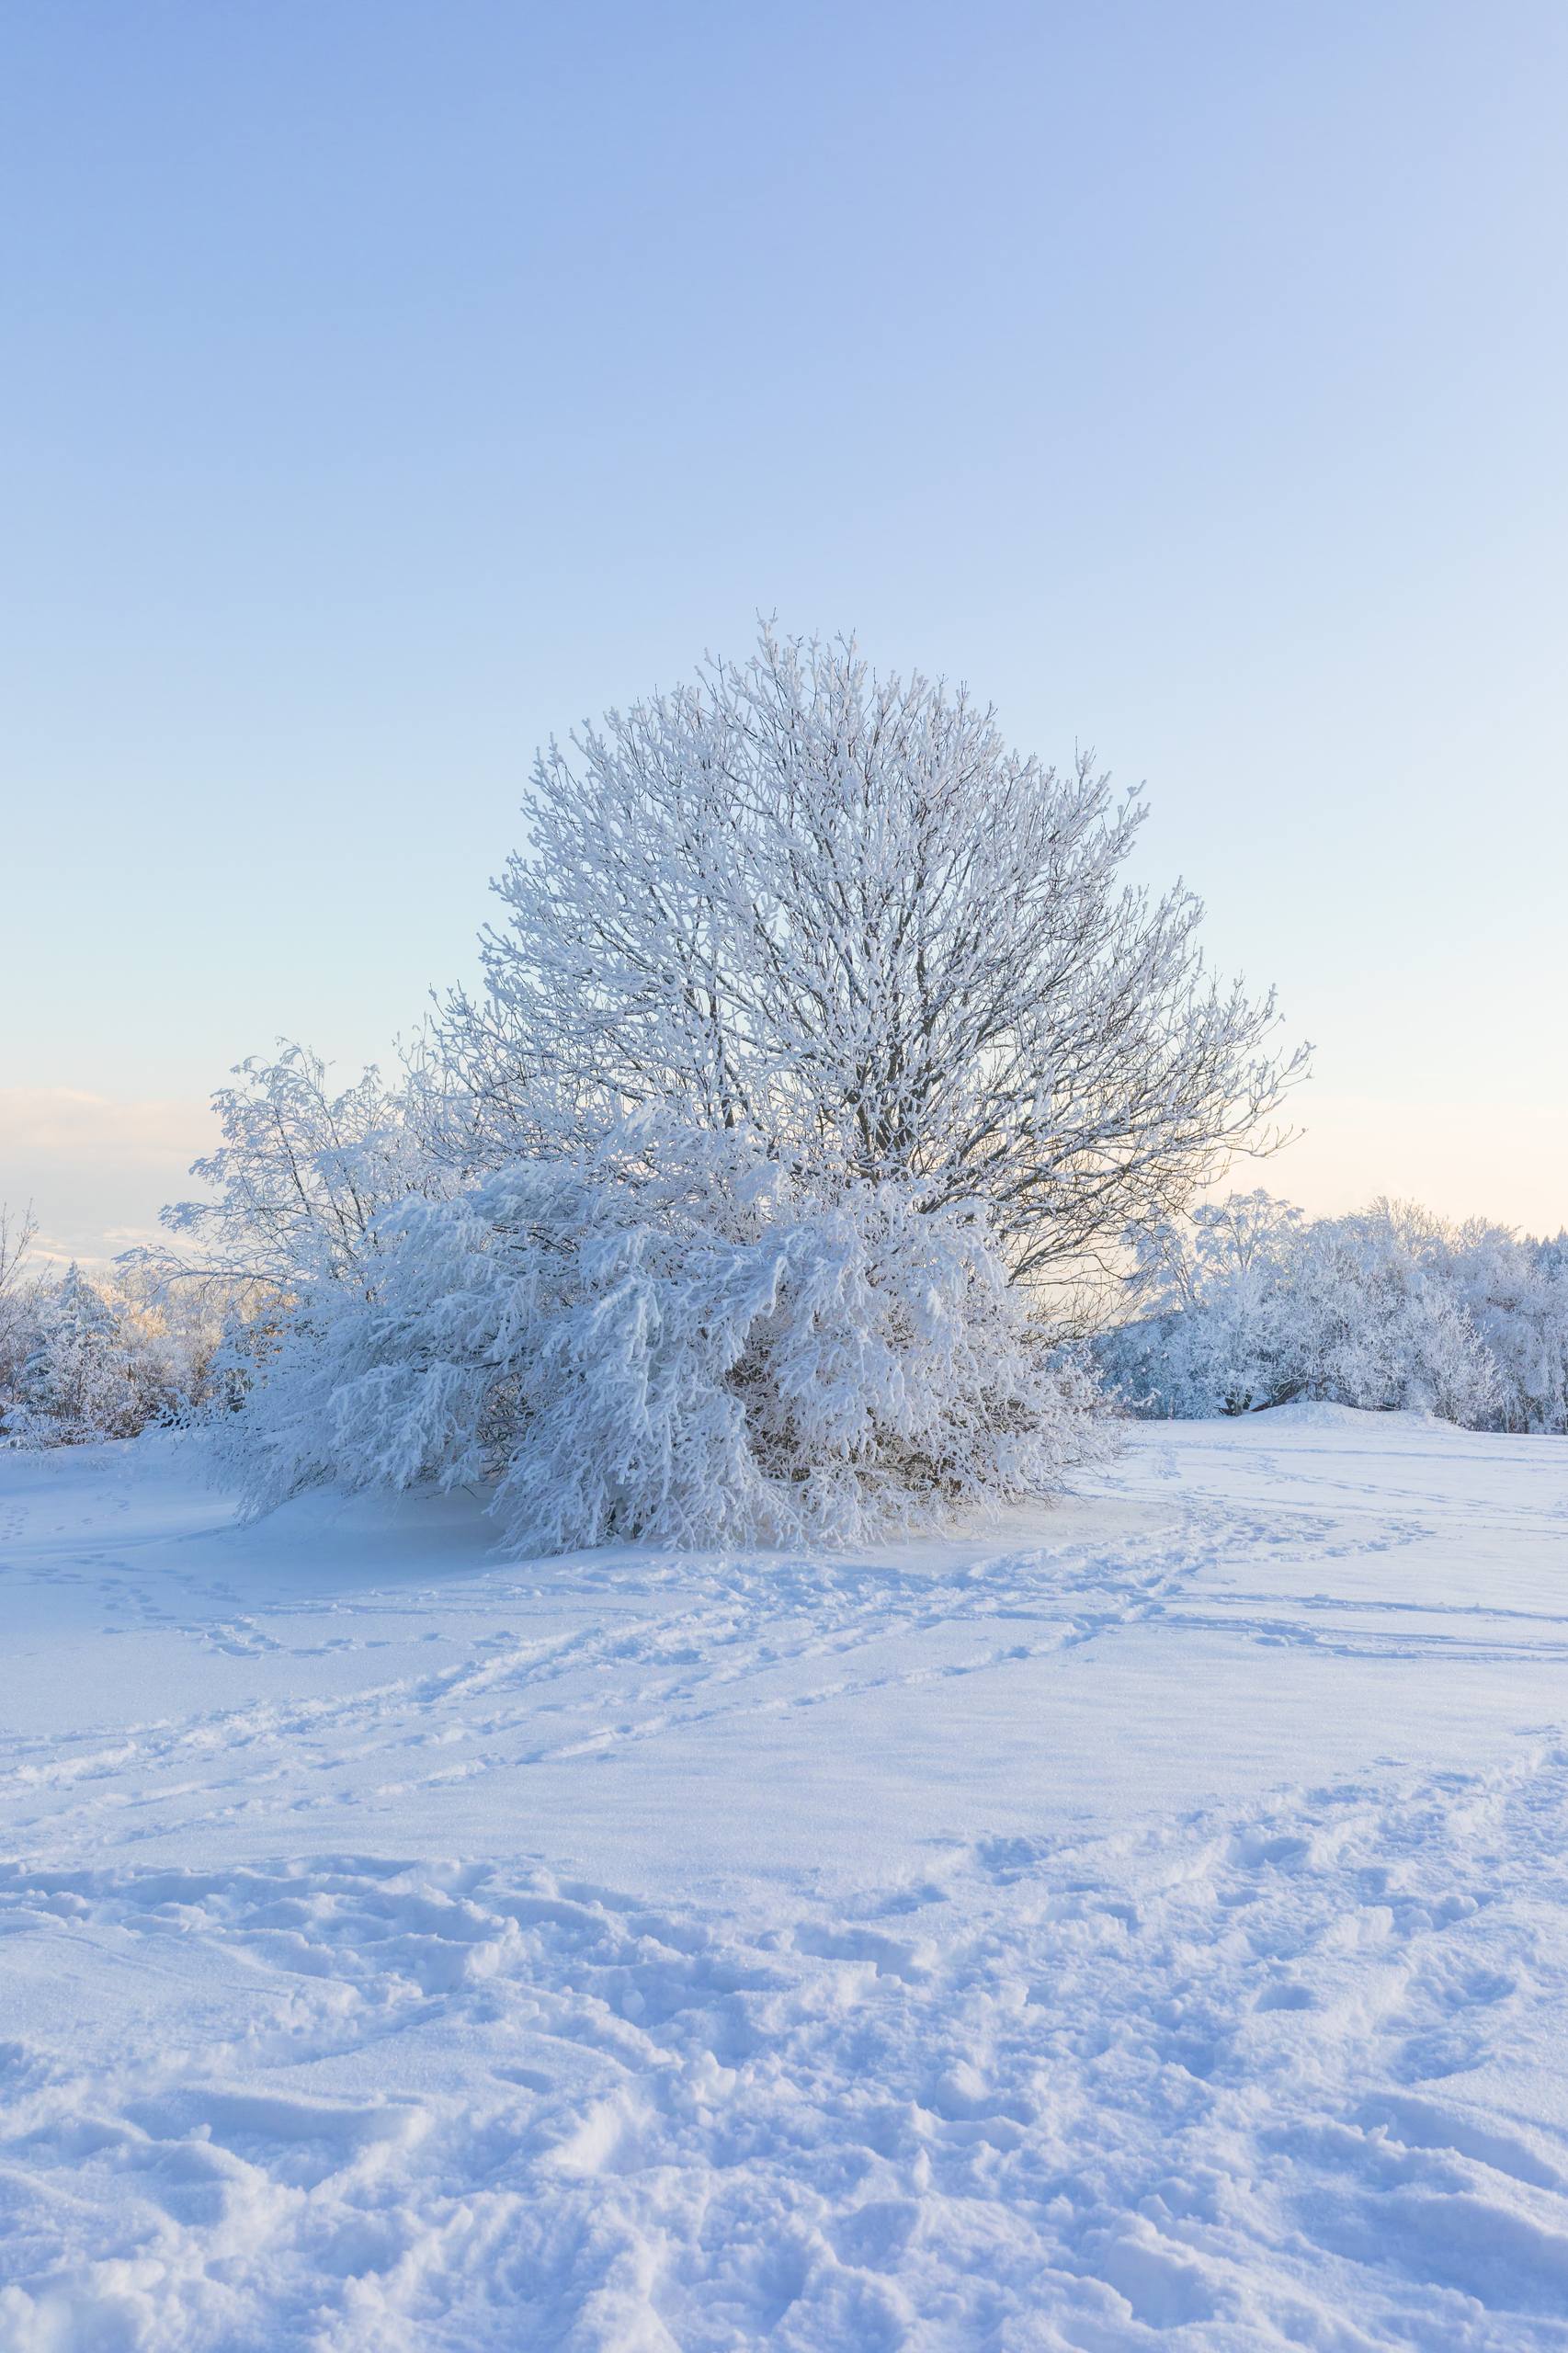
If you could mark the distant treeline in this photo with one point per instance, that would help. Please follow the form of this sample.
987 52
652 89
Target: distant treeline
1248 1303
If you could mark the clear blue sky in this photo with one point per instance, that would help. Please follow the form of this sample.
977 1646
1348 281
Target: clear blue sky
387 385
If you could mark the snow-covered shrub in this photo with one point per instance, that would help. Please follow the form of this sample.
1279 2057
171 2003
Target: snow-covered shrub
662 1335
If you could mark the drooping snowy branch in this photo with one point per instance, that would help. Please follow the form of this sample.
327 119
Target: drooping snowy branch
298 1178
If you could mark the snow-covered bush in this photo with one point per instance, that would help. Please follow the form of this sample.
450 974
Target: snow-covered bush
663 1335
1247 1305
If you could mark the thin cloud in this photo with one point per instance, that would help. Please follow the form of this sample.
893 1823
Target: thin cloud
97 1169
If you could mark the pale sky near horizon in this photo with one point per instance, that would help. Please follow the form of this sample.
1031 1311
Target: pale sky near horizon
387 386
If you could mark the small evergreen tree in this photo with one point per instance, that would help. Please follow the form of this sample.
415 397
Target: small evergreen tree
77 1377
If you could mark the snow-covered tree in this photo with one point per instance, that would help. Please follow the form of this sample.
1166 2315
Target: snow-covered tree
83 1358
19 1279
820 1024
664 1336
71 1370
1376 1324
838 911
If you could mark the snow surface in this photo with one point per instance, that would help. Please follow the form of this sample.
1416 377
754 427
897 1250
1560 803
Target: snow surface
1142 1923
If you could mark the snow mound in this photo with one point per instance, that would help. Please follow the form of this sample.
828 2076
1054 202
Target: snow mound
1322 1414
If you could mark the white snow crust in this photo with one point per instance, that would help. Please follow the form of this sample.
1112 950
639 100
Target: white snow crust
1142 1923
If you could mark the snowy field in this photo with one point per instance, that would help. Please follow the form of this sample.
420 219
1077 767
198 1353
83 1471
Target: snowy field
1145 1924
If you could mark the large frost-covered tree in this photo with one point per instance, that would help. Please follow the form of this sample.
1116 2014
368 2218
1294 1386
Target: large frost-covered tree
837 911
818 1023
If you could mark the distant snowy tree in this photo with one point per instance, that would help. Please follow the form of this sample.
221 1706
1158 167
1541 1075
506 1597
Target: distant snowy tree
1515 1293
72 1361
18 1301
1213 1287
836 910
663 1335
1375 1324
